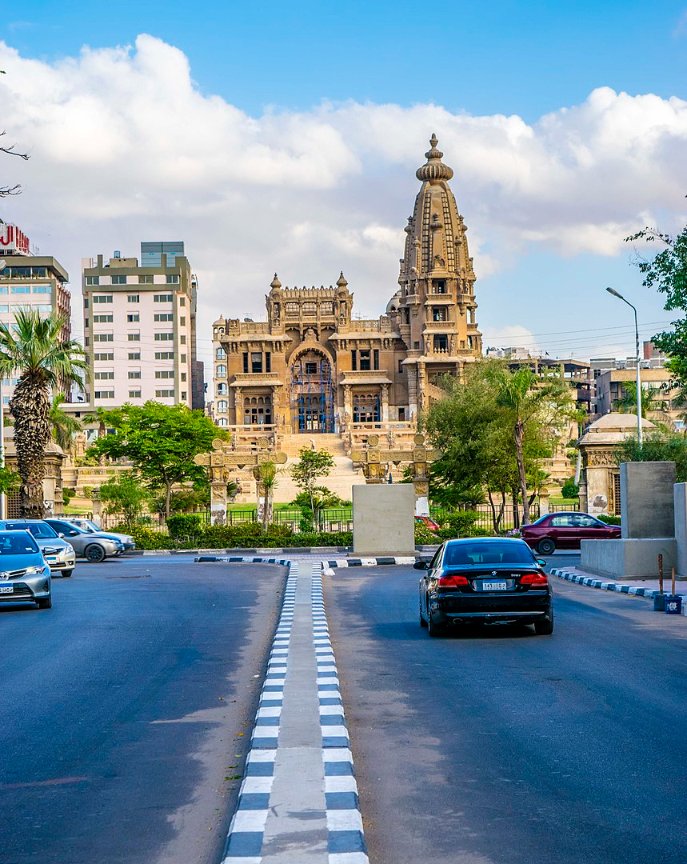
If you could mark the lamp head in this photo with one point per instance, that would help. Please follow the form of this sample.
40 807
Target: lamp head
615 293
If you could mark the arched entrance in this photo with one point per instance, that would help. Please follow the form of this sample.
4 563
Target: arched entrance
312 393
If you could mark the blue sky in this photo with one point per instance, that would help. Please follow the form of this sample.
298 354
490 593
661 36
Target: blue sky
311 117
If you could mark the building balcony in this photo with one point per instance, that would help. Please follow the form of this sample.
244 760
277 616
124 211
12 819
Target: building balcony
257 379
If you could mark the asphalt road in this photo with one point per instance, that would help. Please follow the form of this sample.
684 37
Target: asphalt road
126 709
501 747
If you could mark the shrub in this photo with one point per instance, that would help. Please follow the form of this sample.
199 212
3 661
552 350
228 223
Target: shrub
424 536
570 489
609 518
459 524
184 525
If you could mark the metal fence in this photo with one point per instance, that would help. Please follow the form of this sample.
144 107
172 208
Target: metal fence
484 516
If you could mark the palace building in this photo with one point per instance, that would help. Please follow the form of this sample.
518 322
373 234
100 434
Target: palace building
312 368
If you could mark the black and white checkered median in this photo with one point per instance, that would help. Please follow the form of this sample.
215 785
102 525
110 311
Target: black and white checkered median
298 803
604 585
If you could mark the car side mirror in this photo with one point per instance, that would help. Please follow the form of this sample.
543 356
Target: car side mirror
73 533
541 562
60 534
421 565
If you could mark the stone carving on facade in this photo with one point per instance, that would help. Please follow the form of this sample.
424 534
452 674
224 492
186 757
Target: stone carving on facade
601 458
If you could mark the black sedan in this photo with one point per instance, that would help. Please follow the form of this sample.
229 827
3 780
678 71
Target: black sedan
485 580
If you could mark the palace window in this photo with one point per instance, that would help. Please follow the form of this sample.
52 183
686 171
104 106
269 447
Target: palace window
441 342
220 353
439 313
221 369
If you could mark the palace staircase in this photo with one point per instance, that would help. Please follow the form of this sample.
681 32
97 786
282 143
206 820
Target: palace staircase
340 480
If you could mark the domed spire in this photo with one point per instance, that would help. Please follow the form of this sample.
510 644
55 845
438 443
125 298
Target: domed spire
341 281
275 283
434 169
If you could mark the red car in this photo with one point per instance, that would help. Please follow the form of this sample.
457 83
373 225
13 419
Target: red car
565 530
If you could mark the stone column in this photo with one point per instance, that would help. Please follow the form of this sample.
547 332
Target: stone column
385 403
238 406
218 502
348 401
412 392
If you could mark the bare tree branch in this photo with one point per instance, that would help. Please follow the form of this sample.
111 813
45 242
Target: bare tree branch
10 151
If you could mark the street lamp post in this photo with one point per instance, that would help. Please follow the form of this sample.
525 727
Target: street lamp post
639 377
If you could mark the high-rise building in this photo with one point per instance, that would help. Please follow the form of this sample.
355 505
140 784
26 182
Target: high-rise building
312 367
31 282
140 327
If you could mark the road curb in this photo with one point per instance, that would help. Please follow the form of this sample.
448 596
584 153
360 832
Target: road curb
328 567
620 588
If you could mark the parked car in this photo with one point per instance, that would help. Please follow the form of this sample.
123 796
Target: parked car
428 522
92 547
565 530
24 572
90 527
57 552
484 580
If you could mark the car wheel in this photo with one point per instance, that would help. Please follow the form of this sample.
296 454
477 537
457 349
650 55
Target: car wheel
544 626
434 629
44 602
67 573
94 553
546 546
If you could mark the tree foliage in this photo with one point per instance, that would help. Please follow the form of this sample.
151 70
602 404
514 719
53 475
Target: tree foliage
160 441
493 430
659 446
311 465
666 273
34 348
63 426
126 495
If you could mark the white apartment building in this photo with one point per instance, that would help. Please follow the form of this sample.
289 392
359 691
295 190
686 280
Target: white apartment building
140 328
29 281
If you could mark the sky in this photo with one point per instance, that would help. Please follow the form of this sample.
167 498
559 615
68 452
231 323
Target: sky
284 137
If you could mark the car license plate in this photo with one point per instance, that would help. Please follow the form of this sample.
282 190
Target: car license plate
494 586
51 559
6 589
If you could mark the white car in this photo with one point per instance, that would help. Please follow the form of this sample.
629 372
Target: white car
90 527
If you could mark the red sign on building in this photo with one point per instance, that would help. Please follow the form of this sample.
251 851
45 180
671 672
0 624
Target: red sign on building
13 240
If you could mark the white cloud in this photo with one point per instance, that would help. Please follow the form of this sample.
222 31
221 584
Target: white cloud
126 148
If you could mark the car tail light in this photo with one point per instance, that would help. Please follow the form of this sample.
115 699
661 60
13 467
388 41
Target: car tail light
534 579
452 581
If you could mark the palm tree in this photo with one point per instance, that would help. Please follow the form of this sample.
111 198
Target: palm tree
652 403
34 348
526 397
98 416
63 425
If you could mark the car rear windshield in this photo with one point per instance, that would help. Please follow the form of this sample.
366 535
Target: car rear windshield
496 552
38 529
20 543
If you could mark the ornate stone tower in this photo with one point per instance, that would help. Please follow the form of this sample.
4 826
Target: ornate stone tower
436 303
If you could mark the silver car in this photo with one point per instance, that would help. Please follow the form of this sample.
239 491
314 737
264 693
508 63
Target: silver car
24 573
58 553
92 547
90 527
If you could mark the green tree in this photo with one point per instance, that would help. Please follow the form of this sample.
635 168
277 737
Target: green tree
529 401
160 441
311 465
658 446
493 429
34 348
321 499
666 272
9 480
63 426
124 494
